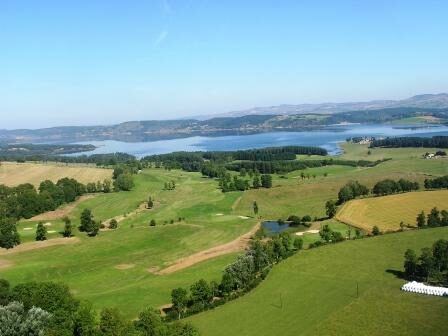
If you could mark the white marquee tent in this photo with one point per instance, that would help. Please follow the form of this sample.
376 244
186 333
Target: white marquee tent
417 287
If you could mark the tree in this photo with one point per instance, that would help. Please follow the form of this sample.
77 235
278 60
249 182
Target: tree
330 208
421 219
5 292
255 206
124 182
113 224
9 237
201 292
152 222
179 299
41 232
440 254
86 221
266 181
84 320
107 186
150 203
67 233
427 263
149 322
345 194
298 243
16 321
326 233
410 263
434 219
376 231
256 183
111 323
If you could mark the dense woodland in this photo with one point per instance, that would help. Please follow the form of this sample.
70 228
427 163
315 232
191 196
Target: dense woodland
434 142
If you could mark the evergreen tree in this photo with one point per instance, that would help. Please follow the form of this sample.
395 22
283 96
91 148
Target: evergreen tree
421 219
410 263
41 232
67 233
86 221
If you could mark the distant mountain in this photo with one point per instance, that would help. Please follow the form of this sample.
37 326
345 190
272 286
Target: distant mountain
436 101
150 130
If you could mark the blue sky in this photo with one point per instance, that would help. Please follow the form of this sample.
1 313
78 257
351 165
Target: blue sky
81 62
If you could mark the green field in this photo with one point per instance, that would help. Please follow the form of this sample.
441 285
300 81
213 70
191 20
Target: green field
117 267
388 211
315 293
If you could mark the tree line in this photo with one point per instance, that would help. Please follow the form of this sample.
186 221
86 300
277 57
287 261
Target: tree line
48 308
25 201
434 142
354 189
435 218
437 183
238 278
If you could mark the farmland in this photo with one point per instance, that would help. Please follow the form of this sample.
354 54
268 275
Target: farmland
315 293
12 174
388 211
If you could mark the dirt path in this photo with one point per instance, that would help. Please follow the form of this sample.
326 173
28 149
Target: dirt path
236 245
62 211
38 245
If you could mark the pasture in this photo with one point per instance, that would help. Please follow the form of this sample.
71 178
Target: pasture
388 211
315 293
12 174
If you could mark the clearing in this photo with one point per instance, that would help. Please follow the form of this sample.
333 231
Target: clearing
387 212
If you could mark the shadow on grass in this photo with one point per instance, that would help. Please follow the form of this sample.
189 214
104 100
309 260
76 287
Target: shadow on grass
398 274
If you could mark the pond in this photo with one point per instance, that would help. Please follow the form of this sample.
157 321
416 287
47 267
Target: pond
274 227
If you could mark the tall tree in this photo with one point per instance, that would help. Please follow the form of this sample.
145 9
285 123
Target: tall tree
41 232
86 221
330 208
255 207
179 299
67 233
421 219
9 237
410 263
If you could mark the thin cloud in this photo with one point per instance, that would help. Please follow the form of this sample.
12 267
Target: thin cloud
160 38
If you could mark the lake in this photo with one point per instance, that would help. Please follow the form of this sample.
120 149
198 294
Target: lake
327 138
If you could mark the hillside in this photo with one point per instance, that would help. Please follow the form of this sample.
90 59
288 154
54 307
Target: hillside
350 288
151 130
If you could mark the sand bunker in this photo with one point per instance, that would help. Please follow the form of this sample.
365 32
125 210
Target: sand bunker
243 217
309 231
219 214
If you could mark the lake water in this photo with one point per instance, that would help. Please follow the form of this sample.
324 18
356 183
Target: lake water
327 138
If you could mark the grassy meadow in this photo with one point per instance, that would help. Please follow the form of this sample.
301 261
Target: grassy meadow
117 268
315 293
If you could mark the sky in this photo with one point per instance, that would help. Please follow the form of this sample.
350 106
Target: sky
91 62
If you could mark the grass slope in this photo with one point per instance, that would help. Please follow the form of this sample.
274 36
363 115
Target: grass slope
388 211
315 293
12 174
